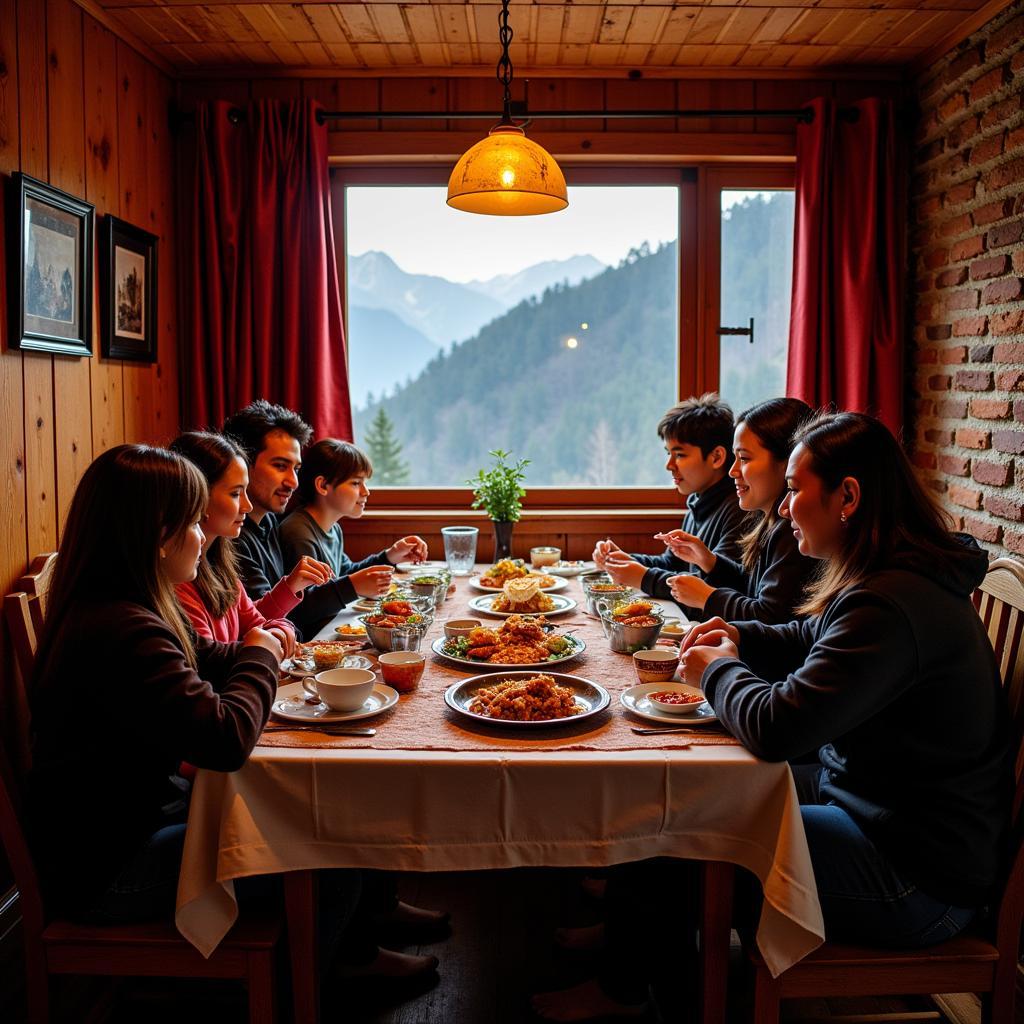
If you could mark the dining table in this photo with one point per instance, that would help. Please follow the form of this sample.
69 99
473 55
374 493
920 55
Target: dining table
436 789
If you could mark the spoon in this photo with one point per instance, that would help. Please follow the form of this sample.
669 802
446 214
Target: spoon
326 727
658 732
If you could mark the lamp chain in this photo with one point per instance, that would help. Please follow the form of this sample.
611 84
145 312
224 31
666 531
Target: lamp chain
504 71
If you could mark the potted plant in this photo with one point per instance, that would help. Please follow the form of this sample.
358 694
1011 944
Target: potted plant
498 491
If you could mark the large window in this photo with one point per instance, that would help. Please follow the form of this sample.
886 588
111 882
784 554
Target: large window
564 338
555 337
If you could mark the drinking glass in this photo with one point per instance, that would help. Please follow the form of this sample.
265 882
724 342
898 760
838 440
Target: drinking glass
407 638
460 548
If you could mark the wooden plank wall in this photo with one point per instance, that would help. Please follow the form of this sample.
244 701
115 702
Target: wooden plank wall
84 112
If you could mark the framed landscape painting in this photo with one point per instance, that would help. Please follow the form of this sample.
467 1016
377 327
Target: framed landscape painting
128 289
50 267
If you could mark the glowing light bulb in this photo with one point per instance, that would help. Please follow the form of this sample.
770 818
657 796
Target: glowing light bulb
584 326
508 177
571 343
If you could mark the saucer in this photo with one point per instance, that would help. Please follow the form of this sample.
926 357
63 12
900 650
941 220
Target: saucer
420 567
299 668
291 704
635 699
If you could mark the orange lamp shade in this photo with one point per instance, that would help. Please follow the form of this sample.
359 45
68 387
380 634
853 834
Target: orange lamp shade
507 175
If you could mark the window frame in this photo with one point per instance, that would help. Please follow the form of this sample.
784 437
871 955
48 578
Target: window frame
699 233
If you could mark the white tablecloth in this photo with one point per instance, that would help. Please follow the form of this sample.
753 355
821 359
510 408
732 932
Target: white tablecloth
291 809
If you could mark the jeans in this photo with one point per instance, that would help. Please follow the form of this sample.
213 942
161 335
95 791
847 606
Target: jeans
145 890
863 898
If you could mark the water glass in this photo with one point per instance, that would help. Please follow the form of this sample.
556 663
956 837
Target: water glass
460 548
407 638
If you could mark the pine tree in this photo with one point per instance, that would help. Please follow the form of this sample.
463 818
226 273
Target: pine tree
384 450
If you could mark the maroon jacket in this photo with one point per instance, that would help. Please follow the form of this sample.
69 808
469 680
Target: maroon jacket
115 710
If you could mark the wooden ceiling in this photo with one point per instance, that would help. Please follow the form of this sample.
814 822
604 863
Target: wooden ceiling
583 37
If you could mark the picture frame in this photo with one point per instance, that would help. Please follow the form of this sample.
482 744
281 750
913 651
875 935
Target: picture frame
50 266
128 291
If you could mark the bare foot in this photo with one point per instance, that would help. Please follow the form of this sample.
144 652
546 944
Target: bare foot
584 939
582 1002
389 964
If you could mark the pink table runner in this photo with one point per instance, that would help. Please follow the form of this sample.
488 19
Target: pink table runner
422 721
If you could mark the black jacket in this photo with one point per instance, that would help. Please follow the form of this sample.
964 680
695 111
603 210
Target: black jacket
716 517
897 684
771 591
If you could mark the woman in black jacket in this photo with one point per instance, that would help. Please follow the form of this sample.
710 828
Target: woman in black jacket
768 581
891 680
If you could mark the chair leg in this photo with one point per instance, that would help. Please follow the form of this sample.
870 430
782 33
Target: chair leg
260 983
766 998
37 986
998 1005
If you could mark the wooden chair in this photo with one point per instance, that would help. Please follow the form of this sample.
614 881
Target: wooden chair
983 959
62 947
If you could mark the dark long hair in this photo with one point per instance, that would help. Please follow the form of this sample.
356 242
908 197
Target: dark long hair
774 422
130 501
250 426
895 512
336 461
217 578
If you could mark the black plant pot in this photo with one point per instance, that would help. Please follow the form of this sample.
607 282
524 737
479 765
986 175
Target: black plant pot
502 539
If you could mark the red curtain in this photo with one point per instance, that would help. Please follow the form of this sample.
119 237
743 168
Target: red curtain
263 306
845 332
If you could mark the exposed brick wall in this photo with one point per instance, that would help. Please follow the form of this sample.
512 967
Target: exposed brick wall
967 270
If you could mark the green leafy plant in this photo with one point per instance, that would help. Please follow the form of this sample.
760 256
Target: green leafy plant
499 489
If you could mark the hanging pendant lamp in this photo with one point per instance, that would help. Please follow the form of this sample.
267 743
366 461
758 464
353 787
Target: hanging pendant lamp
506 174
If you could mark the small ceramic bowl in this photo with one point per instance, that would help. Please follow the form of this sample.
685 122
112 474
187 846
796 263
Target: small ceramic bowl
674 629
677 699
655 666
402 669
460 627
327 657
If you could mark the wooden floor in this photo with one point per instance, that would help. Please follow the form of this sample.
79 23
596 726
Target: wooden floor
499 953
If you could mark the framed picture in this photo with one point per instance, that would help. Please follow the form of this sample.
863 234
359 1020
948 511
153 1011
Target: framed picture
50 267
128 288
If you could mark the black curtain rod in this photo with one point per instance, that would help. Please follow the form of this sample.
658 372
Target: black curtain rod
804 115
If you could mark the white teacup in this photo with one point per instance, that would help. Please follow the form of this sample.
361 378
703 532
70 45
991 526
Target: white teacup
341 689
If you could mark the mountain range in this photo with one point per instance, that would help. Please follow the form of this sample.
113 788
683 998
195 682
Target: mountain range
398 320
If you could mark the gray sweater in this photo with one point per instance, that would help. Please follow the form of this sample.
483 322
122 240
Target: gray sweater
301 535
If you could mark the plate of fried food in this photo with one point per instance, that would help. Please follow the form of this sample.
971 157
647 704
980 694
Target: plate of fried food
522 641
527 699
495 578
522 596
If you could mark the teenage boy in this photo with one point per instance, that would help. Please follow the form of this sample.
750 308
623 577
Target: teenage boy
272 438
698 439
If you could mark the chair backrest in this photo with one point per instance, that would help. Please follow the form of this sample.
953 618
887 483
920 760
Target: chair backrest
36 583
19 857
22 627
1000 603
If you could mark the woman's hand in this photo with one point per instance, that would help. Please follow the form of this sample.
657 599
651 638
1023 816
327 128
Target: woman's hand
602 550
308 572
696 659
689 590
372 581
689 548
285 637
408 549
700 630
257 637
624 570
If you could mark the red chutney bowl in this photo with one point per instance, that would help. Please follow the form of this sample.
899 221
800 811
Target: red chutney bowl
677 699
402 669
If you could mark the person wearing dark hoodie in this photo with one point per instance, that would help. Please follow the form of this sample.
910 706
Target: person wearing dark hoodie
767 582
908 805
697 434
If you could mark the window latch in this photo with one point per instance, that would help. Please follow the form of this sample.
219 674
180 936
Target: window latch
747 332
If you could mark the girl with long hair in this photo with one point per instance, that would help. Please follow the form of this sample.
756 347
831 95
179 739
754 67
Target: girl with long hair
907 803
216 602
768 581
123 691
